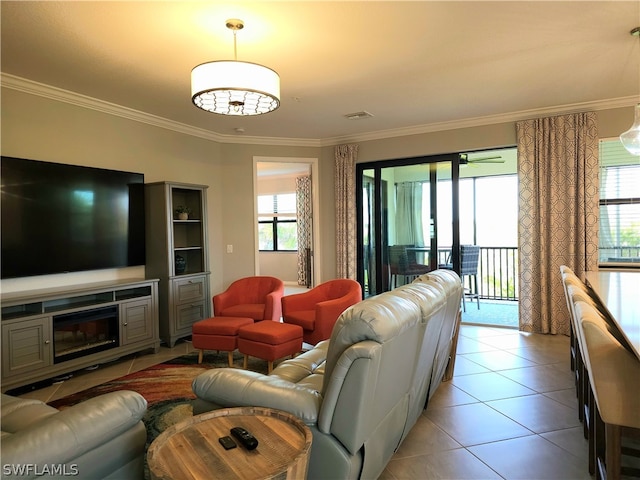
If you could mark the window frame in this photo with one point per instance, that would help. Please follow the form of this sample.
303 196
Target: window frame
614 201
278 218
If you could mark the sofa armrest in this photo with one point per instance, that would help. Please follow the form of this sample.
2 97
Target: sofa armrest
272 306
333 308
76 430
19 413
221 301
302 301
230 387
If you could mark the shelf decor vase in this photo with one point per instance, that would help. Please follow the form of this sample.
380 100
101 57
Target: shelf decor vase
183 216
181 264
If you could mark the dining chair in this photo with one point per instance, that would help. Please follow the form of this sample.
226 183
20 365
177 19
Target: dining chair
402 264
614 402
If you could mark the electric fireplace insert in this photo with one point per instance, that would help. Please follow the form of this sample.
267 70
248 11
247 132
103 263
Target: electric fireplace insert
77 334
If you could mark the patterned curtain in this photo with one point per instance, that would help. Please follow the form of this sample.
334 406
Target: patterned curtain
558 214
304 220
345 197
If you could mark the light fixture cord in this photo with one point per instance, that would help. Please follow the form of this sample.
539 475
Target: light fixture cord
235 47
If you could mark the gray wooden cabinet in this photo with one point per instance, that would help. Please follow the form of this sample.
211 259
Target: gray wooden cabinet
51 332
178 254
137 321
26 347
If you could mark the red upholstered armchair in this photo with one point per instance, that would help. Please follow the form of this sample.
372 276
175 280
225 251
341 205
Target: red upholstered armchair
252 297
317 310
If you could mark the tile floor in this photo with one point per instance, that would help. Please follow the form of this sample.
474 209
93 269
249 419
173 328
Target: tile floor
492 312
510 411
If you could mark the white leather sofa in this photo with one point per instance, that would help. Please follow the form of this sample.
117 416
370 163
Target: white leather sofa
361 391
102 437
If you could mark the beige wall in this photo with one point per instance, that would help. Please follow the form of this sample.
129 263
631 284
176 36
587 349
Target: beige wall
238 213
43 129
282 265
460 140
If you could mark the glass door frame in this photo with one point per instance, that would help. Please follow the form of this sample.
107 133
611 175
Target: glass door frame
380 210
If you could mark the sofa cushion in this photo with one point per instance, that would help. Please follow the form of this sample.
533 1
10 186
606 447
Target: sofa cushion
305 318
305 370
19 413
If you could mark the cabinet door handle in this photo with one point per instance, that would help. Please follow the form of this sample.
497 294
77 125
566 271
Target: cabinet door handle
125 324
47 342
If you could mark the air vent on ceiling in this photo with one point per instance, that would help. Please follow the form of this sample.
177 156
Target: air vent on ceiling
358 115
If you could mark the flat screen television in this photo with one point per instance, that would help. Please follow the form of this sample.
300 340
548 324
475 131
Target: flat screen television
60 218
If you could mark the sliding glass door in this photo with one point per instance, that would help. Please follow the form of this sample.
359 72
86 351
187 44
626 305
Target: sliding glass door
408 220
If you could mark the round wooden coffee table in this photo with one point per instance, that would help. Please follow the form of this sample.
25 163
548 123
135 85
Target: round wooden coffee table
190 449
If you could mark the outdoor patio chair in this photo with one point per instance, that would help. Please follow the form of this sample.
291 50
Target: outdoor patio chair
469 259
404 265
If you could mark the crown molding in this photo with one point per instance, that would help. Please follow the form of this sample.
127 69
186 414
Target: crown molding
34 88
488 120
58 94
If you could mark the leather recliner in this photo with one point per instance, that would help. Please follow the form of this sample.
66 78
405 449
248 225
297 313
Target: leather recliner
102 437
361 391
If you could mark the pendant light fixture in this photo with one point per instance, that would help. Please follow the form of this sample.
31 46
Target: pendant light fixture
631 138
230 87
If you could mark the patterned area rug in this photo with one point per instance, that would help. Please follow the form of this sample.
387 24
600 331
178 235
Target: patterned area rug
166 387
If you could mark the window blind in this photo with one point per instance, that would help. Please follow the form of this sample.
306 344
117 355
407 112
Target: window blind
619 204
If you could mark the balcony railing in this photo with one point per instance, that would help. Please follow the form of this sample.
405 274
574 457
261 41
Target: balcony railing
617 254
498 273
498 268
498 277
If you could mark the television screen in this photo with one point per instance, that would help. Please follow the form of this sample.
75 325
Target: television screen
60 218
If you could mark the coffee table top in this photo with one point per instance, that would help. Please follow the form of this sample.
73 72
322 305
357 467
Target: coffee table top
190 449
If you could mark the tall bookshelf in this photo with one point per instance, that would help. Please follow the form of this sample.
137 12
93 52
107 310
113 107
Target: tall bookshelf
177 254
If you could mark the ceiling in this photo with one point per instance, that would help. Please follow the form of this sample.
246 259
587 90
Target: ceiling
416 66
281 169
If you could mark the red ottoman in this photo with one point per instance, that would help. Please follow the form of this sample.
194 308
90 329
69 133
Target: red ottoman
217 333
269 341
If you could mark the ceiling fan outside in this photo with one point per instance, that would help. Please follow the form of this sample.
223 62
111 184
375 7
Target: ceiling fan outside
465 160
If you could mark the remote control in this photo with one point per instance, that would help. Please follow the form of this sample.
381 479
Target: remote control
227 442
245 438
